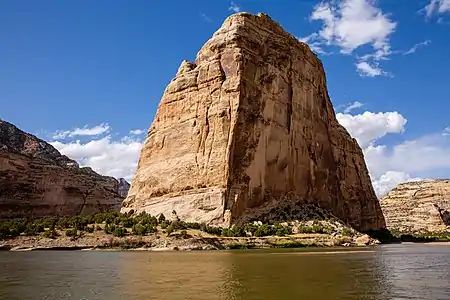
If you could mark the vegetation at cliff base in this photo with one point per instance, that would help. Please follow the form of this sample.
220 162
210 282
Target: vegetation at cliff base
121 225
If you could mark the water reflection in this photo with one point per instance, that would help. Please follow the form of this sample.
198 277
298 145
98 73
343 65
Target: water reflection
392 272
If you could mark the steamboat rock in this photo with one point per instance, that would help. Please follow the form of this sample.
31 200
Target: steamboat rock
36 180
249 123
421 206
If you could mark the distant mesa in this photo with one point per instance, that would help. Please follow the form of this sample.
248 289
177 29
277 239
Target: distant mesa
418 207
37 181
248 125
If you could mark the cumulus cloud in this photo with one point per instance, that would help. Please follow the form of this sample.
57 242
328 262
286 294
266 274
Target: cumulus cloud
234 7
437 7
409 160
117 158
368 127
85 131
352 24
386 182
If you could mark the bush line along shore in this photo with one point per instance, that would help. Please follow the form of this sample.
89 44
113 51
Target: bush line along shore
113 230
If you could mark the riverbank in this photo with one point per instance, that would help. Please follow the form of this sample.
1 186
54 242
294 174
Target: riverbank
179 240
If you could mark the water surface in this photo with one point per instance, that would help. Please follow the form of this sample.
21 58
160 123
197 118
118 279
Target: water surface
386 273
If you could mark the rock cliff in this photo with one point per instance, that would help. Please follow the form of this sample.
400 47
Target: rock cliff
416 207
248 123
36 180
123 187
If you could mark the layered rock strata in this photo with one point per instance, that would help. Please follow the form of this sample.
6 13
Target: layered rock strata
36 180
415 207
248 123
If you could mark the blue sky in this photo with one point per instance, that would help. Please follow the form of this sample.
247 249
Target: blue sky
83 74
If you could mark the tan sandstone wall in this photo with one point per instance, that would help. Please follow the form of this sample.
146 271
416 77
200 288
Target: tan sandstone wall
418 207
248 123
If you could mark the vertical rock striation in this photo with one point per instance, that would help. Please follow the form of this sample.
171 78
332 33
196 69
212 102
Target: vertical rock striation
250 123
36 180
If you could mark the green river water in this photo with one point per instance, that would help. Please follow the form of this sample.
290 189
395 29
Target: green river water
390 272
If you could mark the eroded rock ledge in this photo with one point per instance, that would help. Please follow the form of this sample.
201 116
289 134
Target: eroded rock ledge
418 207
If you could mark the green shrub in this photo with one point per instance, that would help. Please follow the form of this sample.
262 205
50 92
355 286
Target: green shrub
89 229
282 230
109 228
193 225
119 232
169 229
139 229
250 228
226 232
33 229
151 228
50 233
184 234
127 222
73 232
161 218
347 232
165 224
265 230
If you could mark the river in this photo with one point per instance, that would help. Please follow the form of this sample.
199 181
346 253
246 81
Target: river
390 272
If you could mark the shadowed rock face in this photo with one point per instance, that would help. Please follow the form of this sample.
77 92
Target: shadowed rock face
123 187
250 123
36 180
418 206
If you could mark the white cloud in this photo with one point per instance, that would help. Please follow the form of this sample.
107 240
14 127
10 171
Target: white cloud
417 46
234 7
352 106
390 180
367 70
313 44
137 131
85 131
437 7
352 24
368 127
117 158
409 160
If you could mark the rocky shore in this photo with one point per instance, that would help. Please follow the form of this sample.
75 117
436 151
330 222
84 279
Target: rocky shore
191 240
145 232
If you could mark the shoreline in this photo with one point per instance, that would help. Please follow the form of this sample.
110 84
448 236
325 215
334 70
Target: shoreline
195 241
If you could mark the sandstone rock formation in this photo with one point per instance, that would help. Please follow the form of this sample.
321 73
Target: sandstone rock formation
123 187
36 180
416 207
250 122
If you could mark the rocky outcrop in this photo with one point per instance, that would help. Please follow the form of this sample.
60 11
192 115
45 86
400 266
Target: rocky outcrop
36 180
250 123
123 187
420 206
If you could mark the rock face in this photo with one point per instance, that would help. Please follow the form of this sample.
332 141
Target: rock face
36 180
123 187
250 122
418 206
